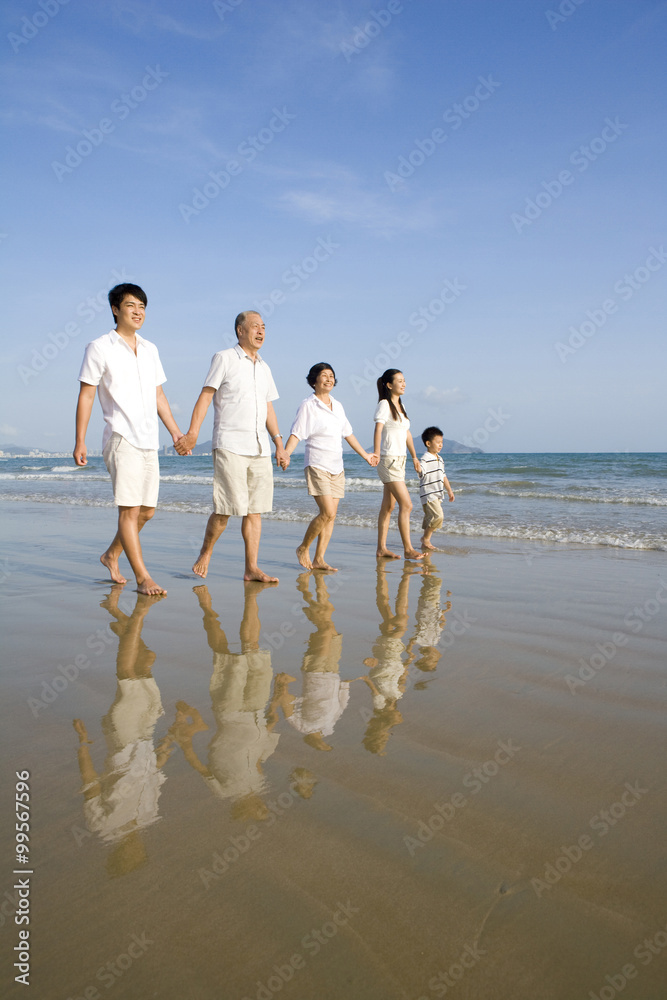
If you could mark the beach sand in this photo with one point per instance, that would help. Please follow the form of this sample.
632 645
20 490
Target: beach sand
467 817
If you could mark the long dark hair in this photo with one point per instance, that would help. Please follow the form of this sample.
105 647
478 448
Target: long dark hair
384 392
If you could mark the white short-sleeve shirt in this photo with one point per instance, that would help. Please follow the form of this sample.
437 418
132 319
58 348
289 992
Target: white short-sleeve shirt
323 430
394 432
126 385
243 389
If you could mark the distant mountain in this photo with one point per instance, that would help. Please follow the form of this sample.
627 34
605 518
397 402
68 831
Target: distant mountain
448 448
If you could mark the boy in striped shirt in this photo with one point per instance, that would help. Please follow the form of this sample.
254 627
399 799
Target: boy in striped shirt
433 484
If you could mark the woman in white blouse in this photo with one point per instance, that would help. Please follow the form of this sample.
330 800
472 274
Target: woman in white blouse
321 422
392 436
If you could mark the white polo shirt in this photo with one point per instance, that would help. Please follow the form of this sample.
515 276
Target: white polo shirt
243 388
126 385
322 429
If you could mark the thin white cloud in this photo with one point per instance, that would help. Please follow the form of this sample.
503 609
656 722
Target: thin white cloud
442 397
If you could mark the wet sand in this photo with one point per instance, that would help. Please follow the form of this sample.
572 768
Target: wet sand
371 784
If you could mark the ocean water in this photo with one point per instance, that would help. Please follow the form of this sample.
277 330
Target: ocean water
609 499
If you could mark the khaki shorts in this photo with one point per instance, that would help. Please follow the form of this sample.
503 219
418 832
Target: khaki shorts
433 516
325 484
135 473
391 470
242 484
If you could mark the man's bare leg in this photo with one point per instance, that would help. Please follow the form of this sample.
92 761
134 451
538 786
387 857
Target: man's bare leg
251 529
214 528
130 522
110 558
388 503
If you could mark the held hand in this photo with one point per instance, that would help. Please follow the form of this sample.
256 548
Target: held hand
282 458
185 444
176 438
80 454
417 465
372 460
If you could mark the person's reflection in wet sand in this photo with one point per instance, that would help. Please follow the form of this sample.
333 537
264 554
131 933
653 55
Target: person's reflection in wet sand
325 696
240 693
388 672
123 800
430 619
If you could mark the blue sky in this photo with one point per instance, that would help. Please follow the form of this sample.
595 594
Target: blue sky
473 188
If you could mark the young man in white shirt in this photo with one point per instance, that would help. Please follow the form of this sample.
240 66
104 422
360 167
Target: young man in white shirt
126 372
242 389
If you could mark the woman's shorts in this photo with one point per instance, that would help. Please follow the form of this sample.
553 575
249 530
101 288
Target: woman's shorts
391 470
325 484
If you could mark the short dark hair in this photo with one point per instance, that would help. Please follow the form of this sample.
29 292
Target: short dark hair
240 320
430 433
120 292
321 366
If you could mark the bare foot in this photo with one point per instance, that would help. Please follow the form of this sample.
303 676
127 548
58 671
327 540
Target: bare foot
427 545
150 588
81 731
111 564
413 554
259 576
201 566
303 557
321 564
386 554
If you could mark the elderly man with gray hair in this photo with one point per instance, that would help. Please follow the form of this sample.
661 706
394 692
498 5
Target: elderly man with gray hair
242 389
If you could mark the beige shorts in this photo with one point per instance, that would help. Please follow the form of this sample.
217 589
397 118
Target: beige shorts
391 470
242 484
325 484
433 516
135 473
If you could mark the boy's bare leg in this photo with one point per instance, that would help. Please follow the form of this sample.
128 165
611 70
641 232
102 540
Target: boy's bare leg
251 529
426 539
130 522
214 528
384 517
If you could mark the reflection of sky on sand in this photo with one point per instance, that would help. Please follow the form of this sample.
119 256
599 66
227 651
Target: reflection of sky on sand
123 799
